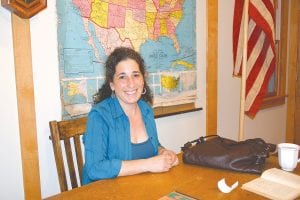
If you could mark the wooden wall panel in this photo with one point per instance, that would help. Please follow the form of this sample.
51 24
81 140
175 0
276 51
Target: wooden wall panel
212 67
26 107
292 64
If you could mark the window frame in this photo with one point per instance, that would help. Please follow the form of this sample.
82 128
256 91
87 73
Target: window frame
277 97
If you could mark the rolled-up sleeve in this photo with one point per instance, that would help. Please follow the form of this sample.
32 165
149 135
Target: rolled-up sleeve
97 162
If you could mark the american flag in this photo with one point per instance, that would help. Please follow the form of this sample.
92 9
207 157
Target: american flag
260 49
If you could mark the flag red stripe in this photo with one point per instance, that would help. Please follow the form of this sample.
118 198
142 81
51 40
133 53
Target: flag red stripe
253 40
270 8
256 68
257 102
261 22
238 14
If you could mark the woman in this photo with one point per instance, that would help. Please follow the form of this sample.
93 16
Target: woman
121 137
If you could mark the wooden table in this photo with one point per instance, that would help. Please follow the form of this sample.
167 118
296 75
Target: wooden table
196 181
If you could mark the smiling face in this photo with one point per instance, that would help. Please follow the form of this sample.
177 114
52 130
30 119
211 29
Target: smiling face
128 82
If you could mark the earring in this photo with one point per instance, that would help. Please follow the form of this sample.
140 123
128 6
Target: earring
113 95
144 91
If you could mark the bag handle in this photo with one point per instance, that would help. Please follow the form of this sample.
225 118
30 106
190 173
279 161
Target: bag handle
201 139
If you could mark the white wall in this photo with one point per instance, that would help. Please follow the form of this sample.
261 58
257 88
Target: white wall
268 124
174 131
47 91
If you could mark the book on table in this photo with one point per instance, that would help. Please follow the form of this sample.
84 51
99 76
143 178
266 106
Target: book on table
175 195
275 184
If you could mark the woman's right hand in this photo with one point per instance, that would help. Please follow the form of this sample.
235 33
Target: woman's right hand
159 163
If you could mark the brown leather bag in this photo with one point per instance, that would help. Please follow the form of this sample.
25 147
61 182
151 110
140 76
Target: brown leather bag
218 152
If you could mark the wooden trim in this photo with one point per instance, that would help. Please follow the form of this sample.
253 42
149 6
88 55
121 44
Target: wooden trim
292 65
26 107
283 48
166 111
212 67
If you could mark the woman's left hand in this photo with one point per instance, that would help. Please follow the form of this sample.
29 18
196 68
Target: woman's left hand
172 154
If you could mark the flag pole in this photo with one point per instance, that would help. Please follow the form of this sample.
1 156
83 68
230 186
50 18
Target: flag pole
243 80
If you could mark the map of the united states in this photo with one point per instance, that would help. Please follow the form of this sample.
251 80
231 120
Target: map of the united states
163 31
132 21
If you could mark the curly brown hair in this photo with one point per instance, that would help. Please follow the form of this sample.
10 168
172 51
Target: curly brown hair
118 55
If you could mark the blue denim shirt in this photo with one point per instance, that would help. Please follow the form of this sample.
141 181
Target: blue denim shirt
107 138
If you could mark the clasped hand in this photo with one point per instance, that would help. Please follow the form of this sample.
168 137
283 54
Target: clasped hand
164 161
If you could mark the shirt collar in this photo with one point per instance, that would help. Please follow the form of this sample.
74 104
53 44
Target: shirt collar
118 111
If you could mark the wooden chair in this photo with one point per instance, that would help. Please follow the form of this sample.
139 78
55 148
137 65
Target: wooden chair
67 131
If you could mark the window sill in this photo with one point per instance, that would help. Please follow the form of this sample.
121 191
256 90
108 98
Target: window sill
273 101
